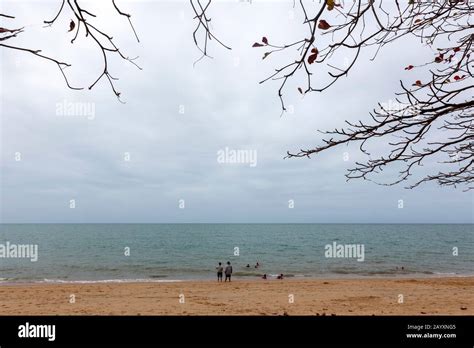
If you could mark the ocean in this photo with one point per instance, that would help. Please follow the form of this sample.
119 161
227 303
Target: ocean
173 252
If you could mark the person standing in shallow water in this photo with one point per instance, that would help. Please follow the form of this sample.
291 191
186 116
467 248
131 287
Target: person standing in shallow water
228 271
220 269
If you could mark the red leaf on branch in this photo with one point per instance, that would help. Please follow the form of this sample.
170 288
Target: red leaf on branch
265 40
409 67
456 49
312 57
457 77
323 25
417 83
256 44
439 58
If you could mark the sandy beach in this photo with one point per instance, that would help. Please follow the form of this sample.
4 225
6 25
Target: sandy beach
423 296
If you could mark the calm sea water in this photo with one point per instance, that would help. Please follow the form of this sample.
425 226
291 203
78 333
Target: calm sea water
165 252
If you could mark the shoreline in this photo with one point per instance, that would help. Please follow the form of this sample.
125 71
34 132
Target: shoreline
235 279
421 296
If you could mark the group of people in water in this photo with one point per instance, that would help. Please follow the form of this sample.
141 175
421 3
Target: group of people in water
257 265
228 272
278 277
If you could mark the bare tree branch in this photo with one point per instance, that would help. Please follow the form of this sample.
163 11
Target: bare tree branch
82 20
445 103
203 25
61 65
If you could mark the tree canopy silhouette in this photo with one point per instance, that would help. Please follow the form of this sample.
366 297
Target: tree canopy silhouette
432 117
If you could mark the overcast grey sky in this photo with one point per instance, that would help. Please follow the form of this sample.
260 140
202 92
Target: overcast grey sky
173 155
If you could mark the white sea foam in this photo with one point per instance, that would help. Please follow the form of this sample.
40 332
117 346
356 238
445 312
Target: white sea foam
102 281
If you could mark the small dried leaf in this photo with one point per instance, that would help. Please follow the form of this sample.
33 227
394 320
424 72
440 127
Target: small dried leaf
265 40
300 90
323 25
312 58
330 4
72 25
409 67
256 44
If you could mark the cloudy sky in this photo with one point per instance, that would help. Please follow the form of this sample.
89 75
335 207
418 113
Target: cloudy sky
176 118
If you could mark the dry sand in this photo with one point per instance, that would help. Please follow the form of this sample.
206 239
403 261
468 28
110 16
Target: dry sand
430 296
